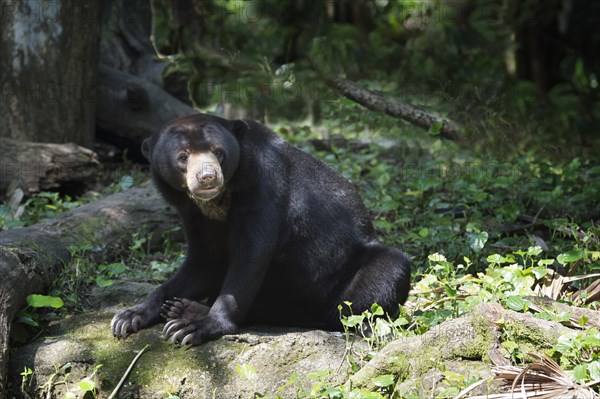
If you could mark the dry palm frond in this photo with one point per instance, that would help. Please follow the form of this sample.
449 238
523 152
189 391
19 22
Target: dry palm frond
553 285
591 292
543 379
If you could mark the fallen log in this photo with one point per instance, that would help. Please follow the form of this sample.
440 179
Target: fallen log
31 257
34 167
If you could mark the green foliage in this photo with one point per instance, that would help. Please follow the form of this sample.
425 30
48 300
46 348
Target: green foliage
41 301
447 290
83 388
376 327
39 206
133 266
579 352
26 379
28 319
457 59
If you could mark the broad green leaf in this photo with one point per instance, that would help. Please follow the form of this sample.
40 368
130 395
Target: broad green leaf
561 318
539 271
564 343
28 320
518 303
102 281
477 240
376 310
579 373
382 224
496 258
383 380
383 179
436 128
382 328
352 321
534 251
437 257
592 338
401 321
43 301
571 256
594 370
86 385
510 346
116 268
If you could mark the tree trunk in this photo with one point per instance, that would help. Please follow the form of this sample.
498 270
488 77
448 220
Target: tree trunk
31 257
49 52
41 166
125 40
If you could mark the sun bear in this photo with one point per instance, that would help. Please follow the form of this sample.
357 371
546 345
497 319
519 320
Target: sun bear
274 236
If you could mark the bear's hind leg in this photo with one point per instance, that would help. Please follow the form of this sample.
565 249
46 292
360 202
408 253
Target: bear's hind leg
383 277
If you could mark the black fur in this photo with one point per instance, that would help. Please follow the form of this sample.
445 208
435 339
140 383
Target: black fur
296 241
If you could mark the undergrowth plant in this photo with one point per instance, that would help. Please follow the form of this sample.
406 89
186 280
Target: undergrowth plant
446 290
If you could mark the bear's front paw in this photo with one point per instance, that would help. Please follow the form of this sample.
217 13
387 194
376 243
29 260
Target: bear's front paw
181 308
187 332
131 320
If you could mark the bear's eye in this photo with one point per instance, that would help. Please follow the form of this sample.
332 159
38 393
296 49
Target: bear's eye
183 157
220 154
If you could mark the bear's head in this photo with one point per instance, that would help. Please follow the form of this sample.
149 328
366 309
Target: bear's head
196 154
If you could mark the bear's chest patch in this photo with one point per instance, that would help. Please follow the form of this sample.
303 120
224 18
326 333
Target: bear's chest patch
216 208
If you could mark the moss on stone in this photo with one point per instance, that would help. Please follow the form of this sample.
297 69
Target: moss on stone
484 339
529 339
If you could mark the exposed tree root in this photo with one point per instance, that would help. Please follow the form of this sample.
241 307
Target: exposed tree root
475 336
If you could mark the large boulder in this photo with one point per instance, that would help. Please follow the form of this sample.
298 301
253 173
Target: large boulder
259 361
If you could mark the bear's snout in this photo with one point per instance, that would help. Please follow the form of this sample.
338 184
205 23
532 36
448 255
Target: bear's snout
208 176
204 176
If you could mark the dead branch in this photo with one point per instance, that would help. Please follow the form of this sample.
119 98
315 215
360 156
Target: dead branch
393 107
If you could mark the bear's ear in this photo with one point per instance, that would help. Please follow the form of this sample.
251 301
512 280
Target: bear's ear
147 148
239 127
